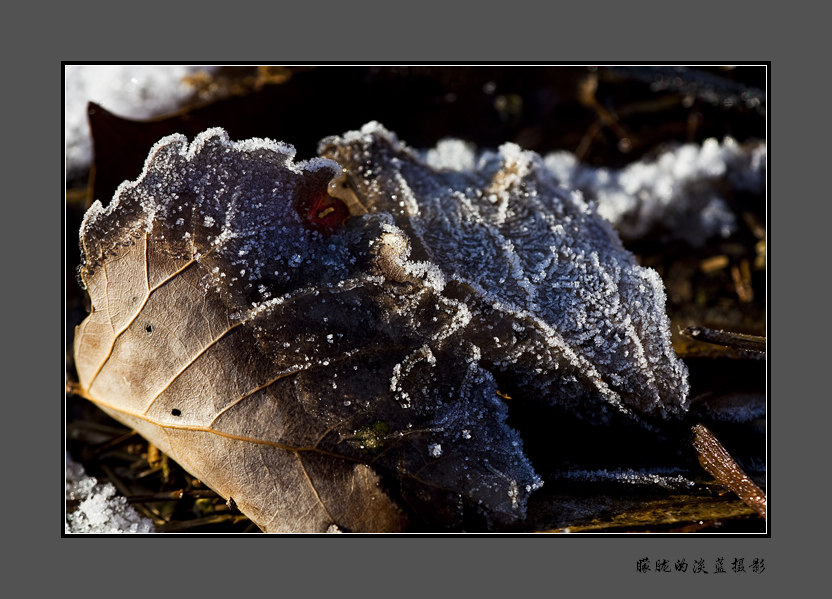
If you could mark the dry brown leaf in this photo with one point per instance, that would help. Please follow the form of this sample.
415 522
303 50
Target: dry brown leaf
170 354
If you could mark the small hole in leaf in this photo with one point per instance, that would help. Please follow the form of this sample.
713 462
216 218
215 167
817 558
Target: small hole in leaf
148 328
176 412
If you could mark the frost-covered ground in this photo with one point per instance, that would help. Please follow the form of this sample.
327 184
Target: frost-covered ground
131 91
96 507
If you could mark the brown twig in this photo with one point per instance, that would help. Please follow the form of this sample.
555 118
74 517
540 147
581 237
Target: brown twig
749 343
716 460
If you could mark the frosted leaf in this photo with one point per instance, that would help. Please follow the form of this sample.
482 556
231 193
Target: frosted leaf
541 284
298 343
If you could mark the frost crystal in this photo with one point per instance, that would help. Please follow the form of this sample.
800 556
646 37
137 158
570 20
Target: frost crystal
632 477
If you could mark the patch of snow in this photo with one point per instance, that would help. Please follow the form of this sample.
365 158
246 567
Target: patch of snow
131 91
97 508
685 190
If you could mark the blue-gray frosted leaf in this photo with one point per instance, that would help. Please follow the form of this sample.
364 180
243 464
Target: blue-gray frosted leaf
549 292
323 372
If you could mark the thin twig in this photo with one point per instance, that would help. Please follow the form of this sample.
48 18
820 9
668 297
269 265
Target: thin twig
716 460
114 442
741 341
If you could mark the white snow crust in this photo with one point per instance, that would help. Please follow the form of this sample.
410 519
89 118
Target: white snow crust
131 91
99 509
683 190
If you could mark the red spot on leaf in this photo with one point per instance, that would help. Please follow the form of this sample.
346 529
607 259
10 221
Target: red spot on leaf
323 213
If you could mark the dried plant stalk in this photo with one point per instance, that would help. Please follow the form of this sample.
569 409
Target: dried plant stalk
748 343
716 460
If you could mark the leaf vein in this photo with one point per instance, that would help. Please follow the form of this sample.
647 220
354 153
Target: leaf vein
314 488
150 292
190 363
